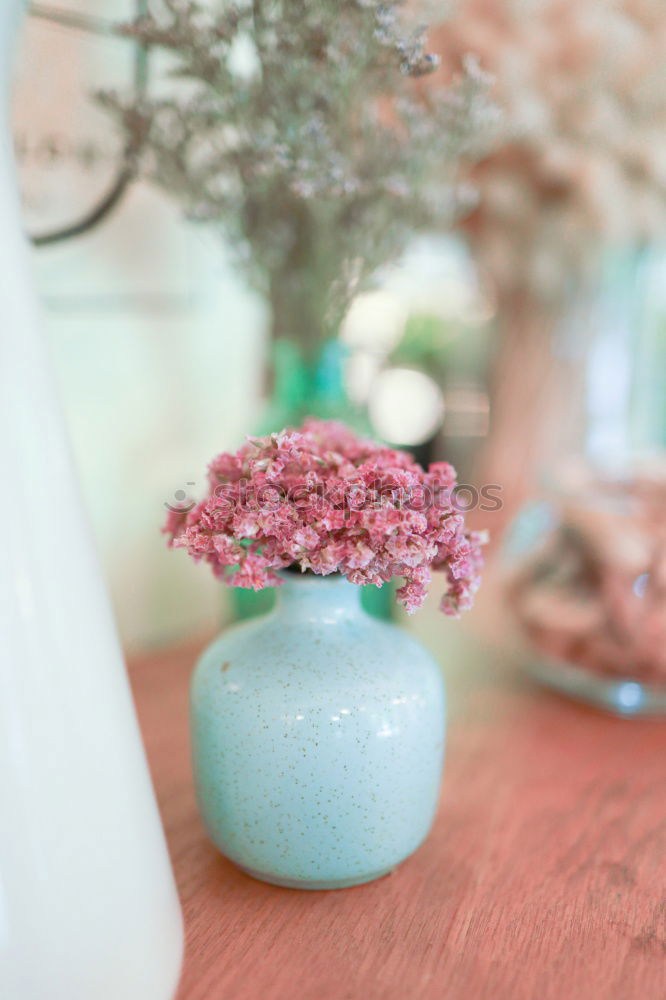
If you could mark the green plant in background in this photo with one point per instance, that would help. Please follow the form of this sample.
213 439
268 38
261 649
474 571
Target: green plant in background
438 343
294 127
426 342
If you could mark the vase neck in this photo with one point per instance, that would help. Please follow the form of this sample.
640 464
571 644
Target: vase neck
296 378
326 599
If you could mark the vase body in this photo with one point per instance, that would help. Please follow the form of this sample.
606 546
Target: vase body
586 559
318 735
88 905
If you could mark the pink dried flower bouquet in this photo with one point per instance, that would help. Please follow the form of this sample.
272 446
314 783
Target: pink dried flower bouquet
322 499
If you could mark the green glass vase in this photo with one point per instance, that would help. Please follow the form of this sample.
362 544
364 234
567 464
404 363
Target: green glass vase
299 389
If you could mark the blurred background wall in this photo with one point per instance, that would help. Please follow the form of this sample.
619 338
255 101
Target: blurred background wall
160 348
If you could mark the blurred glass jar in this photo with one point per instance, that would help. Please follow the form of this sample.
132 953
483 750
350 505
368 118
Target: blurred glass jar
586 563
587 586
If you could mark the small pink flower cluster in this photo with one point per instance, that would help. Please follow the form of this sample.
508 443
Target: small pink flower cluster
326 500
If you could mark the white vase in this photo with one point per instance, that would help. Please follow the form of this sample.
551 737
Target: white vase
88 906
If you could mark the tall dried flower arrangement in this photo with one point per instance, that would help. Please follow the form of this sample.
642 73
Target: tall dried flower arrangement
295 128
582 86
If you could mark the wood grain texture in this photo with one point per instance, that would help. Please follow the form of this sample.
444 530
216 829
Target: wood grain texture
543 878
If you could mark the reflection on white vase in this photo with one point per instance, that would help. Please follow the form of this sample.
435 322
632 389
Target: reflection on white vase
88 906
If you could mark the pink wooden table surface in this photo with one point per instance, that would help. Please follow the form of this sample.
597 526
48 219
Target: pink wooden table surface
544 876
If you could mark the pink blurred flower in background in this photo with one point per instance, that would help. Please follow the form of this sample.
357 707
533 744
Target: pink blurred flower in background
583 89
581 168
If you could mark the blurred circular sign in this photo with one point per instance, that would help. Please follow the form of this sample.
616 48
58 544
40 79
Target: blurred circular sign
72 164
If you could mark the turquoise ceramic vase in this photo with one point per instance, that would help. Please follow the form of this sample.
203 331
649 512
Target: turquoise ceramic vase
318 736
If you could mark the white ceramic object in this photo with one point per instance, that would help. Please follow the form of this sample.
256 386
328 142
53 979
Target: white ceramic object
88 906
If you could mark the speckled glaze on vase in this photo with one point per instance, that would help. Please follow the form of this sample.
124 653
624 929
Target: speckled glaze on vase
318 737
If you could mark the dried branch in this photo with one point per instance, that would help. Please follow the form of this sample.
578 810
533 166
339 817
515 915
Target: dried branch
296 128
